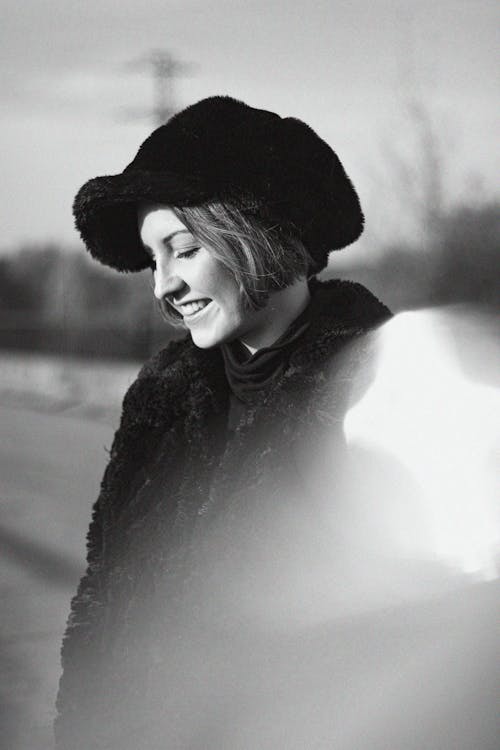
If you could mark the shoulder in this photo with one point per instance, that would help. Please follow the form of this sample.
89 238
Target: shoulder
164 359
154 391
349 303
171 381
337 357
342 314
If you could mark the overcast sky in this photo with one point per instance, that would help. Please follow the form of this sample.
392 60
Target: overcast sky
67 90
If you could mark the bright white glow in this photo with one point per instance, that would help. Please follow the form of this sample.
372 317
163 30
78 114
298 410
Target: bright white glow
444 429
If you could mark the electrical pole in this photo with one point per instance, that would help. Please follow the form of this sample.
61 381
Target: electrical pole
165 69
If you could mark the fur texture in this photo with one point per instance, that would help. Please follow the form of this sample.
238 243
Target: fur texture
222 149
173 482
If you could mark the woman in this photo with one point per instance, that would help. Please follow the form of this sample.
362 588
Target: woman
212 507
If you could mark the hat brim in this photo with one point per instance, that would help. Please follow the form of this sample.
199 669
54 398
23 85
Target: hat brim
105 211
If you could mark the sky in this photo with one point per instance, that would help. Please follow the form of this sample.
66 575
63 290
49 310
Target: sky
73 89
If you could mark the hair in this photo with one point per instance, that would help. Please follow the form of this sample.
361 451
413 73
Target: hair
261 258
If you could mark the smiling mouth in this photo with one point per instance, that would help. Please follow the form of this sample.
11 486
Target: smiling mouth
190 309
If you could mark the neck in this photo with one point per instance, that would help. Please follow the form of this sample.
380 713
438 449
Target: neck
281 310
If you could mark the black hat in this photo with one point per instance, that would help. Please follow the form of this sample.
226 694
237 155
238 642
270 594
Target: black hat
222 149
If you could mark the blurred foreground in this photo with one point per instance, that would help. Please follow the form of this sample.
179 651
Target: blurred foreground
57 418
398 651
50 468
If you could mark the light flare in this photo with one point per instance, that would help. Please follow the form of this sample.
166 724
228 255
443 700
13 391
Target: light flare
443 428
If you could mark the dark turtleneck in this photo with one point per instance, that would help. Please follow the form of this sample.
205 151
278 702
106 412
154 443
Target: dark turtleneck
249 375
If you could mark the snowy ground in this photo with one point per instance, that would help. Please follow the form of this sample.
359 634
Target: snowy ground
57 418
88 388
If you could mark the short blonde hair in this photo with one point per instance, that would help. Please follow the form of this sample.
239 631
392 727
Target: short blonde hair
261 258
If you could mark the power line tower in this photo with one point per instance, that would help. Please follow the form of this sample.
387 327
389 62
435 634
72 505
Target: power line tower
165 69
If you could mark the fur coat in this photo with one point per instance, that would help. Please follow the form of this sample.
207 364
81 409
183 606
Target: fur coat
196 544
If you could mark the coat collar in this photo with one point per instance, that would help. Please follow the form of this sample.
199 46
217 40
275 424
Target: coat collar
185 381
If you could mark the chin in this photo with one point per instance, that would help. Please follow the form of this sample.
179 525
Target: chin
203 343
208 338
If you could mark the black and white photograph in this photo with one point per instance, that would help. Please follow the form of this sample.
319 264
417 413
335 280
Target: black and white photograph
249 375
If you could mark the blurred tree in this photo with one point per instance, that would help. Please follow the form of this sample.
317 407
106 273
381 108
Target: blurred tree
461 267
25 275
417 172
467 266
54 299
452 256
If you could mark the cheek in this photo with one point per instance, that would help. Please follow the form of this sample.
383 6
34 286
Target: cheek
231 303
223 288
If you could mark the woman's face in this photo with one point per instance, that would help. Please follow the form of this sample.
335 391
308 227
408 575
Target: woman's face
194 282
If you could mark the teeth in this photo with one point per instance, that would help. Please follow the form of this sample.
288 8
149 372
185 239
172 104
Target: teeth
191 307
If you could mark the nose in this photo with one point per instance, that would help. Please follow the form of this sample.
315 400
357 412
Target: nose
166 283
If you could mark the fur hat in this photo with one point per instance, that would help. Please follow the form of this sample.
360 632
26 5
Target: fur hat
222 149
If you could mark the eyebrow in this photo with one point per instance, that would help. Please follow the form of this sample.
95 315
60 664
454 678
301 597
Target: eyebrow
173 234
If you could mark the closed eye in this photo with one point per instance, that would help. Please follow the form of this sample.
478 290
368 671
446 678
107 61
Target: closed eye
188 253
